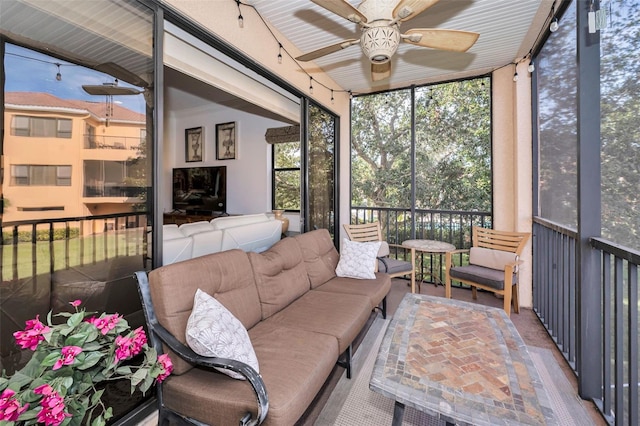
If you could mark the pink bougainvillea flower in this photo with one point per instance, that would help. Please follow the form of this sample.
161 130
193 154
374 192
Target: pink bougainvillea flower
32 334
10 408
130 345
139 340
123 349
45 389
67 356
53 409
76 303
106 323
166 363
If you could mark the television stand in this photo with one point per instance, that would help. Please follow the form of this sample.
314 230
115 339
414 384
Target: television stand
179 217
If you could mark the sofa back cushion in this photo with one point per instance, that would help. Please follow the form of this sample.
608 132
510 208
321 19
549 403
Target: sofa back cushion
280 274
255 237
227 276
233 221
189 229
319 254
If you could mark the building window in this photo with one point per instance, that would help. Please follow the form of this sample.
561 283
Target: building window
41 127
32 175
286 176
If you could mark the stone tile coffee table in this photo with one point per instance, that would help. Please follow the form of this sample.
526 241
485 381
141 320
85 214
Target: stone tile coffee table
460 362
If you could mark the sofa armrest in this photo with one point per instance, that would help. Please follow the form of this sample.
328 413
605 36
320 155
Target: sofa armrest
160 335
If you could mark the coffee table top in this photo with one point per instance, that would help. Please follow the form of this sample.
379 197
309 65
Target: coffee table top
460 362
430 246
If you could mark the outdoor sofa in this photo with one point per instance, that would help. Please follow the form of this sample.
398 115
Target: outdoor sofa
301 319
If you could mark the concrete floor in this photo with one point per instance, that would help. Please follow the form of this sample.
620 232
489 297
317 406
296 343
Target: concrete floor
526 322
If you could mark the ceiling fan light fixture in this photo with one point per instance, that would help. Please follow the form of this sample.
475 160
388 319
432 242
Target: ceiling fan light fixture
380 43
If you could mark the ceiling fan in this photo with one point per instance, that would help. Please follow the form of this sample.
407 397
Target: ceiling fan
380 22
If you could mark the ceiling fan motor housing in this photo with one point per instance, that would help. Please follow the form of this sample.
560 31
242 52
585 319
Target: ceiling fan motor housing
379 43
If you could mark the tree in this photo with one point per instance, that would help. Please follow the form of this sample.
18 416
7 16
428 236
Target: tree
452 147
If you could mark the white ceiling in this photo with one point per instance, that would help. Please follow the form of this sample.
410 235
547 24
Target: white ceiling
508 29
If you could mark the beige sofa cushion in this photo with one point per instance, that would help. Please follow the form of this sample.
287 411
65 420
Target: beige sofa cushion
335 314
375 289
319 254
280 274
227 276
293 363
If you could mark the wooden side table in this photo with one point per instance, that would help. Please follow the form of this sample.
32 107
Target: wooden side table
431 247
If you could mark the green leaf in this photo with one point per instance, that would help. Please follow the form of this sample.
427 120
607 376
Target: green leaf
96 397
19 380
98 421
90 360
125 370
50 359
29 414
67 382
75 319
146 384
139 376
77 339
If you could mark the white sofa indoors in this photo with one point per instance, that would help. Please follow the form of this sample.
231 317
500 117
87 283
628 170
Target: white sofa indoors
255 232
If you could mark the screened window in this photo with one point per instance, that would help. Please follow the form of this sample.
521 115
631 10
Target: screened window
42 127
286 176
39 175
440 161
620 124
556 74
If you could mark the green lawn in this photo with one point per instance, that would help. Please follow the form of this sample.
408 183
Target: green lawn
68 253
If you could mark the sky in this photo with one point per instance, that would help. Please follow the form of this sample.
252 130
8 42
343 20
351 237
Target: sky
30 71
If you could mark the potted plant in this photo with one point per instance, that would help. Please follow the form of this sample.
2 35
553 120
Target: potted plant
62 383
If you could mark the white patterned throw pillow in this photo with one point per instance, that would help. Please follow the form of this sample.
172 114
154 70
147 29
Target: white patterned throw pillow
213 331
357 259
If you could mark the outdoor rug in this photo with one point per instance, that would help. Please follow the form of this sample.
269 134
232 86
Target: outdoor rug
352 403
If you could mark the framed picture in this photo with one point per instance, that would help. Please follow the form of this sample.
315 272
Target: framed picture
194 144
226 144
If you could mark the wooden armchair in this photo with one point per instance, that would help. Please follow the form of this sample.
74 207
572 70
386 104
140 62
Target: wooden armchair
367 232
493 264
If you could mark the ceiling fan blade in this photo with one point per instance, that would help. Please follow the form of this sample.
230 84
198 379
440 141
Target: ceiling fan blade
342 8
109 89
407 9
327 49
454 40
380 71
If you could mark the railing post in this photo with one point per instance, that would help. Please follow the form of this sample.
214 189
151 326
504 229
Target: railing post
589 293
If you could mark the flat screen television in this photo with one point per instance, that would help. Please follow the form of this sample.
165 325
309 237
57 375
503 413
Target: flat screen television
200 190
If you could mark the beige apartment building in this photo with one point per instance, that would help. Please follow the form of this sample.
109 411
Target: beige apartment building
70 159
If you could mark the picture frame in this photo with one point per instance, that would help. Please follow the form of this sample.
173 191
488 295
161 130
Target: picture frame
226 142
194 144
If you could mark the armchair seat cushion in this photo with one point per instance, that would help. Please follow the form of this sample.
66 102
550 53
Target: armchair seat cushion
391 266
493 278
